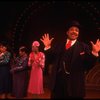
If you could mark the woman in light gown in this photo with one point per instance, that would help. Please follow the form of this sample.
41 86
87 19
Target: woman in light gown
37 63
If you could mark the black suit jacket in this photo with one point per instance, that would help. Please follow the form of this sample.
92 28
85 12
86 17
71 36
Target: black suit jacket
82 60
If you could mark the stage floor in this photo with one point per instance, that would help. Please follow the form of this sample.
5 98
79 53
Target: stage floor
90 94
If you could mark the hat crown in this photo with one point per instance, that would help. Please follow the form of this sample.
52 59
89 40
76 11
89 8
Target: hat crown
36 43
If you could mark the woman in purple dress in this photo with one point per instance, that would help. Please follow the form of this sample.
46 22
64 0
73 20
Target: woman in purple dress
20 73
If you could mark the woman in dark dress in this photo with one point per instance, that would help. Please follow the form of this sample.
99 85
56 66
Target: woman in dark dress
20 73
5 76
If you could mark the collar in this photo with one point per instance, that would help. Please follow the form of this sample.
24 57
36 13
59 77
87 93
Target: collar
73 41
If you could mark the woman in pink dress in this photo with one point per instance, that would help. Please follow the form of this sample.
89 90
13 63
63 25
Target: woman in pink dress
37 62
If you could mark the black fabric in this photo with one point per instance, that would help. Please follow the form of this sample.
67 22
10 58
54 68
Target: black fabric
72 85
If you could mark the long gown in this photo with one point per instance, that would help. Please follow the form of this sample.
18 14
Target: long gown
20 76
36 75
5 75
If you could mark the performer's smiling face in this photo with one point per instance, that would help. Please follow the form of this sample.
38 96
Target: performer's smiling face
73 32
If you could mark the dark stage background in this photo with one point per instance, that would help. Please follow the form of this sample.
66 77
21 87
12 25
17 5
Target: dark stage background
22 22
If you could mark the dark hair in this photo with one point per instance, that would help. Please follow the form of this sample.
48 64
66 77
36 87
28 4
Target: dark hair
23 49
5 44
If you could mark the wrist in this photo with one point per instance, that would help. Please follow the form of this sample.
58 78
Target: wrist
47 47
95 53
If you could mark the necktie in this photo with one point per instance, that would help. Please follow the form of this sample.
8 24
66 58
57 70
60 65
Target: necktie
68 45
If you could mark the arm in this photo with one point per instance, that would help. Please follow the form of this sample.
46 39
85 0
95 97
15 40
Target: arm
91 55
96 48
46 41
42 61
49 53
22 65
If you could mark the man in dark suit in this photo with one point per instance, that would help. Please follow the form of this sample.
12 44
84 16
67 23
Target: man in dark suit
70 61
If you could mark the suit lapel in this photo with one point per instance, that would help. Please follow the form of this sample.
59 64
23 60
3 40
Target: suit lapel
75 51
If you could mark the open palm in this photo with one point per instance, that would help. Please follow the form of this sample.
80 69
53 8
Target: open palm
46 40
96 46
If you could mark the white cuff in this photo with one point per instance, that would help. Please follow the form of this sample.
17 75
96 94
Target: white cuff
46 48
95 54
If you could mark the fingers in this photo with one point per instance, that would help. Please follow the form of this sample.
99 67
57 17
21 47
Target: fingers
92 43
97 41
52 39
41 40
97 44
46 36
43 37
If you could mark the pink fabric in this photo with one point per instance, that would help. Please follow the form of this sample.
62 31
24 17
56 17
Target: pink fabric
36 75
36 43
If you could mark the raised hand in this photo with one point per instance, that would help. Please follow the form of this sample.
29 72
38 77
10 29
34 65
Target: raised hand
46 40
96 46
